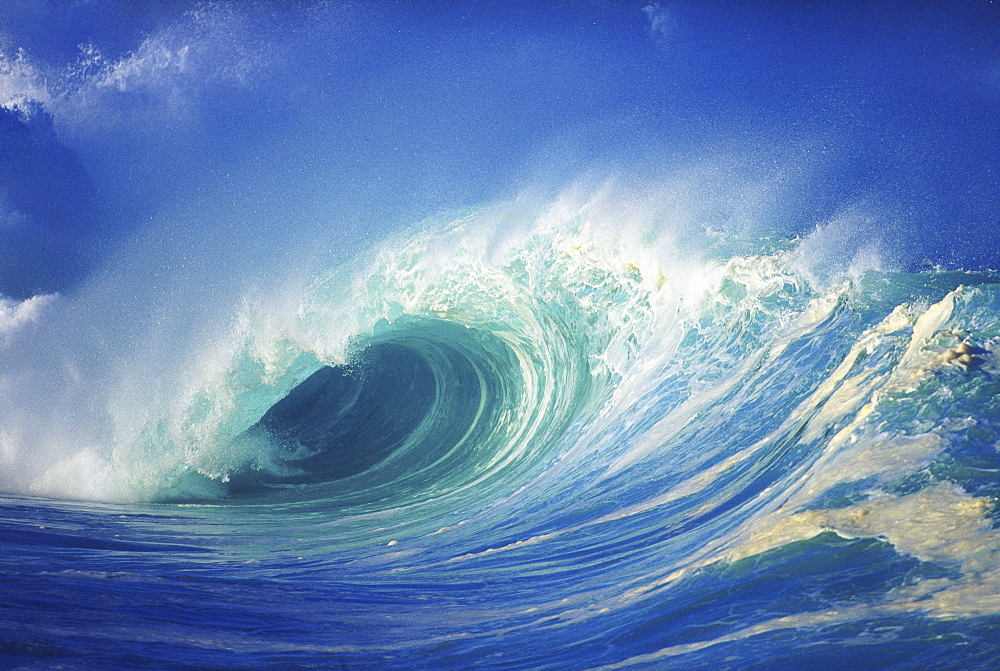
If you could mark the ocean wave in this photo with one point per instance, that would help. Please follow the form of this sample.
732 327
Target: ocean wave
406 336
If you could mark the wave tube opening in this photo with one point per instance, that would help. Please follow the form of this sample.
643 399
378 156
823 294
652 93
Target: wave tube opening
421 408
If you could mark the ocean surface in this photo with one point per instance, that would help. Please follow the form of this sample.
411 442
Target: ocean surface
571 335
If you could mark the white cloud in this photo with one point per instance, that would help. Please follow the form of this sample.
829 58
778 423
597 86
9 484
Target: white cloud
16 315
22 84
661 22
158 82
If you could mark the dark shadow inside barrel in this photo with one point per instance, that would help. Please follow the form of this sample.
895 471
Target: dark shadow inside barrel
343 420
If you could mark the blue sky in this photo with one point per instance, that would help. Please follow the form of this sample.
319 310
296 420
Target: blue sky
365 116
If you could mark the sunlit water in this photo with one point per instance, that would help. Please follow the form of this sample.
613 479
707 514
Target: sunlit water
301 389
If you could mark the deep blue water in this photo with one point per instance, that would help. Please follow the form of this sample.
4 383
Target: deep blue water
464 335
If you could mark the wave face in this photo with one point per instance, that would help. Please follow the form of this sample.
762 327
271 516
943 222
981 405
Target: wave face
338 388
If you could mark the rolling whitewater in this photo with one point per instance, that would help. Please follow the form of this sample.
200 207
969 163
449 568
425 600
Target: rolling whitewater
292 376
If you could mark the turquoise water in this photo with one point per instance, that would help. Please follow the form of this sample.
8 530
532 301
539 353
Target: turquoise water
565 453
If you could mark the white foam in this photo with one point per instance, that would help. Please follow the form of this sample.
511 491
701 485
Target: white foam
940 524
83 474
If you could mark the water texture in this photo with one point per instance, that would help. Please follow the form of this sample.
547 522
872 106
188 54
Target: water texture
459 335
